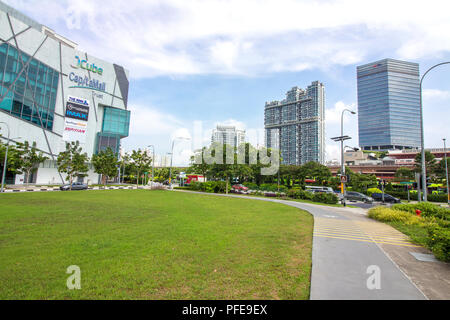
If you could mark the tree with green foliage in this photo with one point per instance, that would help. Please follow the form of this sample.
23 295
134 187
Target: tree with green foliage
440 168
105 163
404 173
430 162
141 162
29 159
73 162
13 162
314 170
198 163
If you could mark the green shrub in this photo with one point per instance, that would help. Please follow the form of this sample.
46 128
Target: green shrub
436 230
428 210
209 186
373 190
273 187
328 198
441 197
391 215
439 242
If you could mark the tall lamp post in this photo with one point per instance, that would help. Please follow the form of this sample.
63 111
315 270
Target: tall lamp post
424 172
342 138
446 173
171 158
6 159
153 158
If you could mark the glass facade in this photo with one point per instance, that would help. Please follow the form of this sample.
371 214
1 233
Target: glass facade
116 121
107 140
295 125
35 80
388 105
116 125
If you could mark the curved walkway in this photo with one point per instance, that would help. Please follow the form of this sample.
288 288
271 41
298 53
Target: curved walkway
349 259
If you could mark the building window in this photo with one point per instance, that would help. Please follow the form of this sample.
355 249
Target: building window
116 121
32 89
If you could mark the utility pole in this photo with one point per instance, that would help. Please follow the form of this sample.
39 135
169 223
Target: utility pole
446 172
5 163
424 172
342 138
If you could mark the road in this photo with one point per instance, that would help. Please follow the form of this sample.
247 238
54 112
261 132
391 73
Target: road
348 253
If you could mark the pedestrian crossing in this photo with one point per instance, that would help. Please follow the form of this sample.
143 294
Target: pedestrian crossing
358 230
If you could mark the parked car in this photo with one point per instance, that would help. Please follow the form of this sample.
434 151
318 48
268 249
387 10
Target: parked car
356 196
239 187
387 198
75 186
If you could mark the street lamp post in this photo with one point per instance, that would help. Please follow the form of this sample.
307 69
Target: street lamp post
342 152
424 172
171 158
446 173
153 158
6 159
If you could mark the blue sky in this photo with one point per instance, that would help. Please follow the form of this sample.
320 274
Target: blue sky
218 61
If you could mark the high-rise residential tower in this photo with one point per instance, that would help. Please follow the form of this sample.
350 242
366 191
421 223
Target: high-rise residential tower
228 135
296 125
388 105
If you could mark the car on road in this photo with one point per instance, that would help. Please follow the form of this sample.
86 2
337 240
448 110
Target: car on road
239 187
356 196
75 186
387 198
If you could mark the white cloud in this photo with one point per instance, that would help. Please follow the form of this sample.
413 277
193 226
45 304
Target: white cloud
333 115
172 37
430 94
333 128
150 121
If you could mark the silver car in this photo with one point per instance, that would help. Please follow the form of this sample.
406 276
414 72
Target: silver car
75 186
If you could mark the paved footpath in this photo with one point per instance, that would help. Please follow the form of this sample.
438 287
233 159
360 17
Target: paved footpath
349 248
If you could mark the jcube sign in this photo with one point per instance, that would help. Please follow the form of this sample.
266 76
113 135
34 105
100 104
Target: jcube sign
83 64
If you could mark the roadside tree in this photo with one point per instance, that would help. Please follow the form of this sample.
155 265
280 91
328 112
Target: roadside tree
73 162
105 163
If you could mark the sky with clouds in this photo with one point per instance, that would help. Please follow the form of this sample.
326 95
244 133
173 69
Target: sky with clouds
218 61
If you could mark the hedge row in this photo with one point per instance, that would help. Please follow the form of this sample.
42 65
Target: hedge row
322 197
273 187
209 186
434 220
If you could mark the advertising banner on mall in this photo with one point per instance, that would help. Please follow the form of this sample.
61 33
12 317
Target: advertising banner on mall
75 130
76 117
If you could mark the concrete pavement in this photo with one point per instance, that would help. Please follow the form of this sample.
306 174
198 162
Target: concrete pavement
348 256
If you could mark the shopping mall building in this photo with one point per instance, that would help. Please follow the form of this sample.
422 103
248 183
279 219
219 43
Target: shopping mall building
52 93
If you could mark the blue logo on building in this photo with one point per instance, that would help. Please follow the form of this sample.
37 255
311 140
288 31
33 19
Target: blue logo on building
85 82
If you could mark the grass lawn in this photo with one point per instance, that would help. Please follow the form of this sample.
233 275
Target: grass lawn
141 244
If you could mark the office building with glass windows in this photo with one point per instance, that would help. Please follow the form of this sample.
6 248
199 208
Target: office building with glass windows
51 93
296 125
388 105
